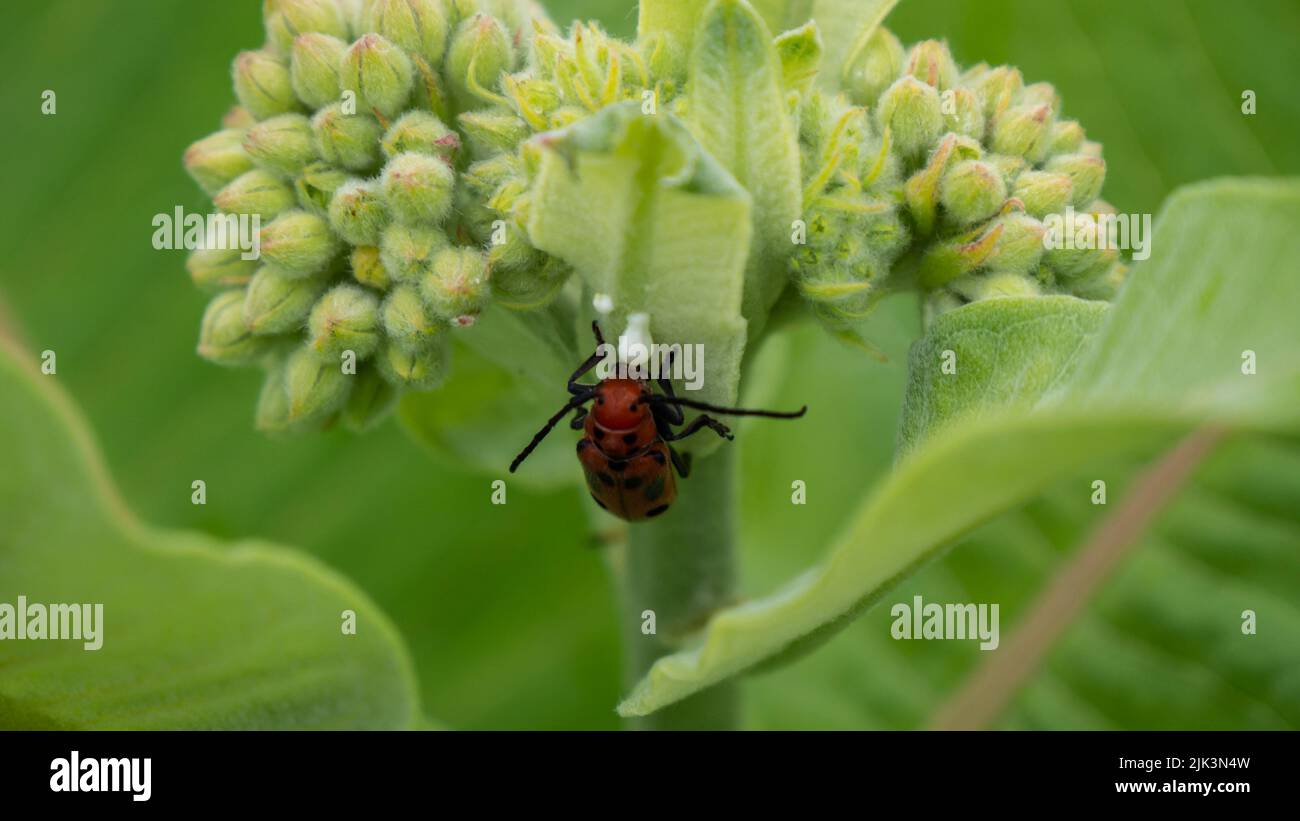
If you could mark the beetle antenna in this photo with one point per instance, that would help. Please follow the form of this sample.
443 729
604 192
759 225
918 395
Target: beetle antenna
705 406
551 423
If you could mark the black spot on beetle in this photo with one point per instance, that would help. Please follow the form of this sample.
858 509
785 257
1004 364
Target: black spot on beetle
629 438
606 478
583 444
633 482
618 465
655 489
600 434
657 455
655 511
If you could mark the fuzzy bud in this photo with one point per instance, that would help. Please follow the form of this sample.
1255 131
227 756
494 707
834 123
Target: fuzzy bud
962 113
287 19
345 319
316 184
420 132
1019 245
299 242
992 286
282 144
349 141
457 284
875 68
407 251
420 370
407 321
997 88
217 159
367 268
314 68
214 268
262 84
418 188
256 192
277 302
480 52
971 191
419 26
223 336
358 212
527 288
1023 131
913 112
369 402
314 387
1077 253
492 132
272 414
1043 192
1066 138
930 62
379 73
1087 174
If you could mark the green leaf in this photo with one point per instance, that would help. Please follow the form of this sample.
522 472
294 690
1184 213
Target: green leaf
1168 359
647 217
739 114
844 26
196 633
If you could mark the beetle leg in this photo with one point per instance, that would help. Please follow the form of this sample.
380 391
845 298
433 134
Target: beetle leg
670 413
681 461
579 418
698 422
576 387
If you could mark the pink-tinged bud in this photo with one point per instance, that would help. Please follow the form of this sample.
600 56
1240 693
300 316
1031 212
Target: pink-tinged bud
418 188
379 73
282 144
217 159
262 84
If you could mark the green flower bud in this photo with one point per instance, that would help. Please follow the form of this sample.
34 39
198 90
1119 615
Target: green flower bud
421 370
418 188
370 401
1019 245
971 191
456 287
1009 166
223 336
299 242
316 184
997 88
407 251
1023 131
282 144
407 321
1066 138
272 414
419 26
213 268
256 192
874 68
314 387
962 113
379 73
1079 255
350 141
278 302
1043 192
1105 286
358 213
1086 174
992 286
237 118
345 319
492 132
287 19
262 84
912 111
420 132
314 68
527 288
217 159
930 62
1042 94
480 52
367 268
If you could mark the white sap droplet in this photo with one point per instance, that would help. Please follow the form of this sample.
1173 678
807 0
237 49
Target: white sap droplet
603 303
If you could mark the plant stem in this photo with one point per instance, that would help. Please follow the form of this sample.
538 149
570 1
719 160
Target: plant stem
682 566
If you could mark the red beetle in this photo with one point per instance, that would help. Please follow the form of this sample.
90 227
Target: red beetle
626 444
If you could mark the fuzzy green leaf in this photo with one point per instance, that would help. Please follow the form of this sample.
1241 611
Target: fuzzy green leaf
739 114
1169 358
647 217
196 633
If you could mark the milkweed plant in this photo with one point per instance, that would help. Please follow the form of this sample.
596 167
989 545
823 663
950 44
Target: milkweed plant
421 169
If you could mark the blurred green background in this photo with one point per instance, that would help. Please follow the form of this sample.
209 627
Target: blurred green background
509 616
